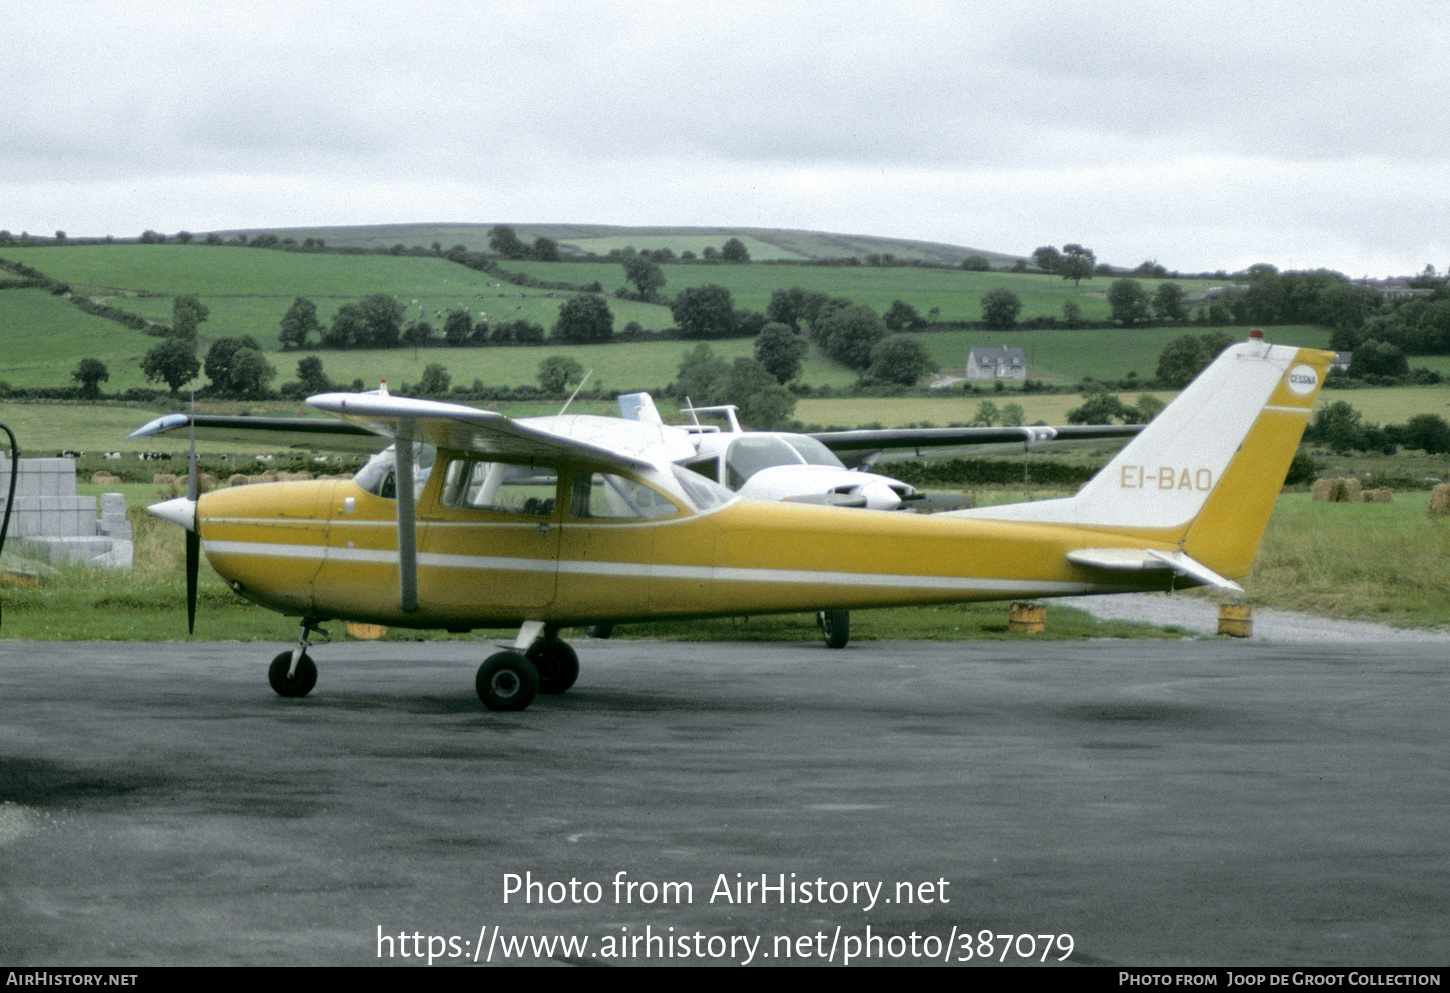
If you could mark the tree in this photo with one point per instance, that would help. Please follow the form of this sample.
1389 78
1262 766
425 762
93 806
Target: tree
251 372
645 274
987 414
1169 302
703 377
91 373
1046 258
435 381
311 377
976 263
781 351
900 359
1072 313
1013 415
902 316
349 328
1000 308
1427 432
237 368
173 362
1077 263
504 240
764 403
1148 407
457 327
1338 426
187 313
383 314
734 250
418 333
704 312
545 250
1183 358
1129 301
584 319
1101 408
557 372
849 333
787 307
1378 358
299 323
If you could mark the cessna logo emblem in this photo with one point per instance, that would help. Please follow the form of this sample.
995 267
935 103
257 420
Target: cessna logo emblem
1302 380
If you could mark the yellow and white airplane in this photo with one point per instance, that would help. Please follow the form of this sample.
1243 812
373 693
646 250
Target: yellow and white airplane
472 520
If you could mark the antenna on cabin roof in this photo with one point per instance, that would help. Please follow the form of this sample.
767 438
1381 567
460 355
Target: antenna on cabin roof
576 392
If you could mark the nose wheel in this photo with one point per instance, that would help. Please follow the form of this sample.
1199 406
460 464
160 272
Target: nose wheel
291 678
293 673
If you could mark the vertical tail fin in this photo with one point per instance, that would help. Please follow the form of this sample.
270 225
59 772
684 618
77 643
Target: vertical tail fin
1205 473
639 407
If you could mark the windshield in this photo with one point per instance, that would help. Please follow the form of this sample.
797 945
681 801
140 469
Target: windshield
751 453
813 451
703 492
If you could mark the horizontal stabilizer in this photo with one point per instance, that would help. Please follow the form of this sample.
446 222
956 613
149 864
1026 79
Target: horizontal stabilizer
1139 559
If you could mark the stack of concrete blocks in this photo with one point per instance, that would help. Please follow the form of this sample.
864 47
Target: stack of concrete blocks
51 522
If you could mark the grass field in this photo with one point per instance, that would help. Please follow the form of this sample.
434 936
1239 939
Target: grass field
1366 561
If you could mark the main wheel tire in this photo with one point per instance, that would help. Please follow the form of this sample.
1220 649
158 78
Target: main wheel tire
835 627
557 664
300 683
507 681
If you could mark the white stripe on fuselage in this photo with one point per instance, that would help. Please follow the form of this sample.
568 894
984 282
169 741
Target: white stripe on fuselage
578 567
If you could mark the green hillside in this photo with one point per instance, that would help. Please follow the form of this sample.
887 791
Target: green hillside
765 244
247 291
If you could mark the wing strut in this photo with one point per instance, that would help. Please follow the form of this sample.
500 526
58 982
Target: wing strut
407 519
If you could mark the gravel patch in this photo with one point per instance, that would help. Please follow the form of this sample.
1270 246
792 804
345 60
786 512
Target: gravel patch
1201 617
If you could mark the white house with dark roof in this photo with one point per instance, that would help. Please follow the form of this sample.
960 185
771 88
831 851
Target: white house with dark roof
994 364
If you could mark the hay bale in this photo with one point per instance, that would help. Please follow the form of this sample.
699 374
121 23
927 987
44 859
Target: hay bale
1381 495
104 478
163 479
238 479
1328 490
1353 490
1439 501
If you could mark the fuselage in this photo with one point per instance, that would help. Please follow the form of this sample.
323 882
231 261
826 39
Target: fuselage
329 549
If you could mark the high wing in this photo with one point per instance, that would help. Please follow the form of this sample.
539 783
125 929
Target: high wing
862 447
304 433
366 421
454 426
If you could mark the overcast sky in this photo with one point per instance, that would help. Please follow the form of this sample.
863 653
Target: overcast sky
1204 135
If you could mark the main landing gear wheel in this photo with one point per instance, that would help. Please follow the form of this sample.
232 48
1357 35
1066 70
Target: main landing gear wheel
557 664
835 627
507 681
299 682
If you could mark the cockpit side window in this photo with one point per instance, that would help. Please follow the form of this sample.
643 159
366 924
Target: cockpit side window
499 487
707 467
